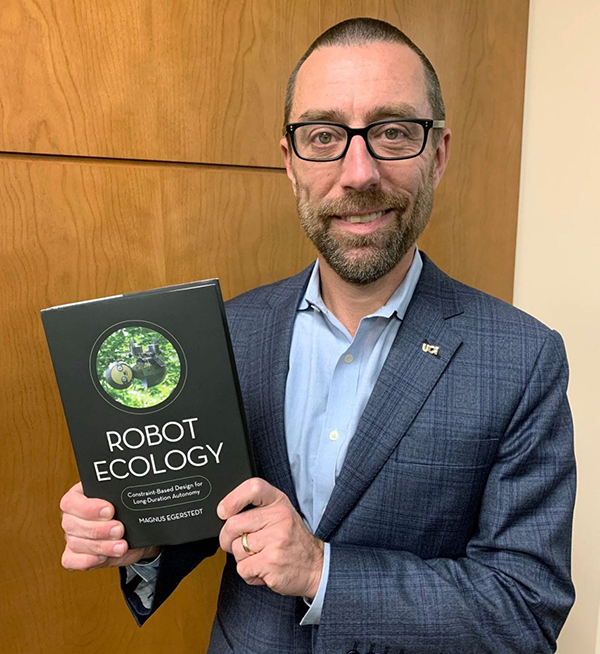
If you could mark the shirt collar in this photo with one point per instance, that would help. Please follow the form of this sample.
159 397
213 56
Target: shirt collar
397 304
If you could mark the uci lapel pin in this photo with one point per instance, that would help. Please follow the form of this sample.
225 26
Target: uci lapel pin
431 349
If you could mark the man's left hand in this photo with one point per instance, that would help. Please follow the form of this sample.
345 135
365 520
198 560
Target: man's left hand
285 556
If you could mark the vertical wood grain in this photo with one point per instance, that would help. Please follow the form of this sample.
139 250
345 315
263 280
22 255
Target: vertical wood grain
177 80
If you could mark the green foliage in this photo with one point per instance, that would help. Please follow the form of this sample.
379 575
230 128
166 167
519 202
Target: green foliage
116 348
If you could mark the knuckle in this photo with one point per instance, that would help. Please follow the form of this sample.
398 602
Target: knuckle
84 546
226 529
96 532
239 553
70 560
272 581
66 559
222 541
64 502
99 547
282 541
273 558
232 524
65 522
241 568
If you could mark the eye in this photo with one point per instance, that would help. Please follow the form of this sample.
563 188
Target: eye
321 135
323 138
393 134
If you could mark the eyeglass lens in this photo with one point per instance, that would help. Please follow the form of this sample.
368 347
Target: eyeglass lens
389 140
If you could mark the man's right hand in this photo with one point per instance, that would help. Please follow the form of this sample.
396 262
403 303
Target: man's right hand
94 539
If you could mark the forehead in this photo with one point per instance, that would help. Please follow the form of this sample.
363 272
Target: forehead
353 82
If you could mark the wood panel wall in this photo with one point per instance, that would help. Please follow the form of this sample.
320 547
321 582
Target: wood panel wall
138 148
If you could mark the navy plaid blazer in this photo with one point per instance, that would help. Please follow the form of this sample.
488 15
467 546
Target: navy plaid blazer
450 521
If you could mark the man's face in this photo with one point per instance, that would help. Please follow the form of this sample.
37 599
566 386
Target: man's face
363 214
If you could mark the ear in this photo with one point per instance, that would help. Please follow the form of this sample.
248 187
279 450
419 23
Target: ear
442 155
287 157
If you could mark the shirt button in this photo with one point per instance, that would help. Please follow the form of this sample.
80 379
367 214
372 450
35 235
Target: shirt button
333 435
348 358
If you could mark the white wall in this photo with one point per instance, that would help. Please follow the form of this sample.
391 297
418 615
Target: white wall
557 276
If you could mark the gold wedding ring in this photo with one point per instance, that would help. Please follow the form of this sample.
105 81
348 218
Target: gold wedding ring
245 544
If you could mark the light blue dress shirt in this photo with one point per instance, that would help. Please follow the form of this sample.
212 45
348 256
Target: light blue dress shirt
330 379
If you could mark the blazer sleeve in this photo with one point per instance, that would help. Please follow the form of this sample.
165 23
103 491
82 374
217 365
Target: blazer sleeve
511 592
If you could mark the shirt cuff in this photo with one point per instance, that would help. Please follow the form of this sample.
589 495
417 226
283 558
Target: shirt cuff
147 571
144 591
313 615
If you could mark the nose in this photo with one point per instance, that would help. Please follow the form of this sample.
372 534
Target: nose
360 171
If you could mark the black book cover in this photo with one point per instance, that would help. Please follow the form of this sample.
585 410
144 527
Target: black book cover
152 402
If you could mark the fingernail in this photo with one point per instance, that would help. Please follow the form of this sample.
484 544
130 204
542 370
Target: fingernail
105 512
221 511
119 549
101 559
115 532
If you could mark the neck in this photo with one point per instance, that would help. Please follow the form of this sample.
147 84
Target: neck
350 303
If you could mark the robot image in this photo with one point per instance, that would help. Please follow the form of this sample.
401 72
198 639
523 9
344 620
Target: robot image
149 368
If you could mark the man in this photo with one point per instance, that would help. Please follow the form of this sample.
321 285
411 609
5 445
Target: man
412 435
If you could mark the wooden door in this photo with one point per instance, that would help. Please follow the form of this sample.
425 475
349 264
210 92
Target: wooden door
138 148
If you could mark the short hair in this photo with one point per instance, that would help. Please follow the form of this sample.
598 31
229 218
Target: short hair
359 31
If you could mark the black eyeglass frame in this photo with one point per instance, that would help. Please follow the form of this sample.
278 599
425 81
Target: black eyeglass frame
427 124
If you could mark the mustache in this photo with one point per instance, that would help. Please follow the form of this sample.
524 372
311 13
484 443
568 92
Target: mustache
361 201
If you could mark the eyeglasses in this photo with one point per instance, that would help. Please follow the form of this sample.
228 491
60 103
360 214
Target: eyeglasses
390 140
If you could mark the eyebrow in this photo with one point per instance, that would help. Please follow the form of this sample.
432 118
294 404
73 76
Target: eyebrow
381 112
402 110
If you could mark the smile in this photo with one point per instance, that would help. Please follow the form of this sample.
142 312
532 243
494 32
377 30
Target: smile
363 218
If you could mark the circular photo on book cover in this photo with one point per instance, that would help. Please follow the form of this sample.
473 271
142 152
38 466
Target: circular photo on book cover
138 367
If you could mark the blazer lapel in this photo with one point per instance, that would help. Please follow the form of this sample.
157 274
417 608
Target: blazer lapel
406 380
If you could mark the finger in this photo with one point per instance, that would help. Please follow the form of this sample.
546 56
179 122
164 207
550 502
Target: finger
280 515
76 503
77 561
96 547
226 538
251 571
252 491
247 522
241 523
92 529
73 561
254 543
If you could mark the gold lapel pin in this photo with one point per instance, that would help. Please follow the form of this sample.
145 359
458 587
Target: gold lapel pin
431 349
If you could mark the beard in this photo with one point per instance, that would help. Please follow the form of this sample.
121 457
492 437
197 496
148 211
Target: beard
364 258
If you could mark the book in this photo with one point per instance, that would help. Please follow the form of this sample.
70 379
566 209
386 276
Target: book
153 407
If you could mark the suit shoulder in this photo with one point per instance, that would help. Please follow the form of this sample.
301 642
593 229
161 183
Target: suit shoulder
477 303
466 304
489 317
262 298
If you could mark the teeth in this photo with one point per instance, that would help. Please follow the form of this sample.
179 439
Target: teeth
367 218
